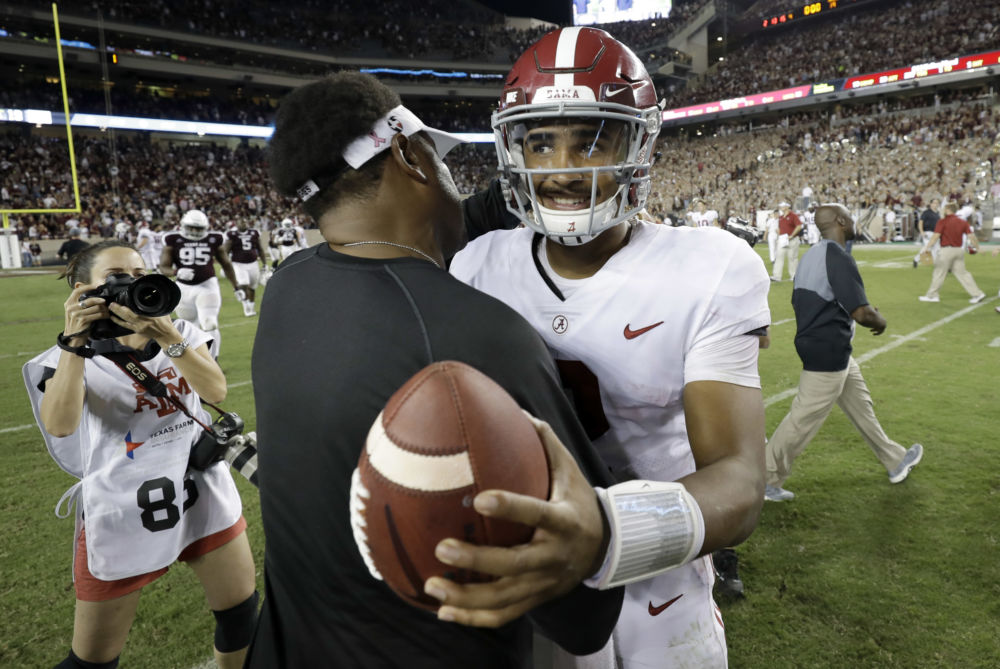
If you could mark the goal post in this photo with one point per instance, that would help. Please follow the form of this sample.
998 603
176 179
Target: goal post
10 252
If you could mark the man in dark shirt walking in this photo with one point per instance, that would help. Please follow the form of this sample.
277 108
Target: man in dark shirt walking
925 227
828 298
71 246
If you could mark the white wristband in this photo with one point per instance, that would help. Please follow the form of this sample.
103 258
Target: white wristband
655 526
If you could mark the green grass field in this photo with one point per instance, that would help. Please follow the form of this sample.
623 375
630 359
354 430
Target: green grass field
854 572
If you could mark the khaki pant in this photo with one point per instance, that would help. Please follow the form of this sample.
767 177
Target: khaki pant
818 392
792 252
952 259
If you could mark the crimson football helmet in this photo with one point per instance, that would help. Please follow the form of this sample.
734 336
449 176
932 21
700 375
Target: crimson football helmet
578 75
194 225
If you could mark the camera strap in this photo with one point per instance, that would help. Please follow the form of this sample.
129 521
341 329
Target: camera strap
137 372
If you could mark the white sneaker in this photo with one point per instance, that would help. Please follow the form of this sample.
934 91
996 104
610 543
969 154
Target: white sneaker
978 298
777 494
910 460
248 309
924 298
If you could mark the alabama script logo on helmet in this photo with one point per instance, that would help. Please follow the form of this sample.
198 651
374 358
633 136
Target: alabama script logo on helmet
583 74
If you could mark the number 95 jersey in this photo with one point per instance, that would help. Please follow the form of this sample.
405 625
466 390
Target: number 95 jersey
198 255
668 308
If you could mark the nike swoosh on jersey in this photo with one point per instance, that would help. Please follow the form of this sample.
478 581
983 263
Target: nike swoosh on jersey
632 334
657 610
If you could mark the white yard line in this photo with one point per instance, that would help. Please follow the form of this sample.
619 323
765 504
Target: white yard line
790 392
17 428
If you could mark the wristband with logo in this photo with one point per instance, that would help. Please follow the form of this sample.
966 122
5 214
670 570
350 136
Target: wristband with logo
655 526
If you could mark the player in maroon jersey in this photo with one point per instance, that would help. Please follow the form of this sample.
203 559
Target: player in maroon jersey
245 248
190 255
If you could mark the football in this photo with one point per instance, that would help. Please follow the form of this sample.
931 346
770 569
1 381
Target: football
445 435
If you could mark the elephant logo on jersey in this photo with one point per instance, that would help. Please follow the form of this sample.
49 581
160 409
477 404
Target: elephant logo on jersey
560 324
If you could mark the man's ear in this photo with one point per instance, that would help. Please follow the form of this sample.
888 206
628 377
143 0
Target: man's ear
405 152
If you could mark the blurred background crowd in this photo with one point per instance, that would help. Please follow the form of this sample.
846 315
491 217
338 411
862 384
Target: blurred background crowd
229 61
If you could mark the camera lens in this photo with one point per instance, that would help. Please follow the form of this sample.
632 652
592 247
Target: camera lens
149 299
153 295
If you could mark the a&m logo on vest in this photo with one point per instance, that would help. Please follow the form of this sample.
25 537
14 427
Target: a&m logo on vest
176 385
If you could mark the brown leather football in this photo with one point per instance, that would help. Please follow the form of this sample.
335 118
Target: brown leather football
445 435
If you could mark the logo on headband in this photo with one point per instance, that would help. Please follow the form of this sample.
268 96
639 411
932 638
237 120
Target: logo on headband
378 139
395 124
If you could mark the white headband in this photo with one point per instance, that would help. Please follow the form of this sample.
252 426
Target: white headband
397 120
364 148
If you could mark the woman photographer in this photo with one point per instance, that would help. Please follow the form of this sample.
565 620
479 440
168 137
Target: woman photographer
140 508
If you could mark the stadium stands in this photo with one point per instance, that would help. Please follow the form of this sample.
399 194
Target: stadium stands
884 152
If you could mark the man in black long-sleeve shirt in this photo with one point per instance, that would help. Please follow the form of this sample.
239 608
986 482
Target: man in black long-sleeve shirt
342 326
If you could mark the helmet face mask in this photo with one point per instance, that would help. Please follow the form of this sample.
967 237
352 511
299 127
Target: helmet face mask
286 224
194 225
577 121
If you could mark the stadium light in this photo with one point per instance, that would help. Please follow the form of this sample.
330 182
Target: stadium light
40 117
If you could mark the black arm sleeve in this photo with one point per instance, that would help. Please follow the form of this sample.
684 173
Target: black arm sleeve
486 211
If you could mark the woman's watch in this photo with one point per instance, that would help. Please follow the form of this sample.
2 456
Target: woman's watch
176 350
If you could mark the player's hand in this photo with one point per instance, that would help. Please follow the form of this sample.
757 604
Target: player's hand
185 274
240 294
80 315
567 547
879 326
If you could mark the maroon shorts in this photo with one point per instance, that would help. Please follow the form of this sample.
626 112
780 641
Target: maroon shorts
89 588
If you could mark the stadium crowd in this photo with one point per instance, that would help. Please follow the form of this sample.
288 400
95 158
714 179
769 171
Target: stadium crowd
866 39
900 159
877 156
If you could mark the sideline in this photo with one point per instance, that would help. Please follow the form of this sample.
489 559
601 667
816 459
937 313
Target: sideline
862 359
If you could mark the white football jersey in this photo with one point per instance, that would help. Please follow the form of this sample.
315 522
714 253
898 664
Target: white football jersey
630 337
704 219
140 505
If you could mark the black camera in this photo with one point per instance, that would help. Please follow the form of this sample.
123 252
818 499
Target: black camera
152 295
225 441
211 446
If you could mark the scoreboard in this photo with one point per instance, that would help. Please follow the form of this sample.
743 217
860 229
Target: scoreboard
803 11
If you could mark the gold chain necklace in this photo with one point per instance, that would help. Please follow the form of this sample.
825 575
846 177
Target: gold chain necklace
402 246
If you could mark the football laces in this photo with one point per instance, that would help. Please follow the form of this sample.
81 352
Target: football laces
359 495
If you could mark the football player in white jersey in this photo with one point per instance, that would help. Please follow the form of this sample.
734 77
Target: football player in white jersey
703 217
287 238
139 507
149 241
190 255
245 248
655 329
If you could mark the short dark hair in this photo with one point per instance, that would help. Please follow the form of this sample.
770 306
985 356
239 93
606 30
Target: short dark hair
314 125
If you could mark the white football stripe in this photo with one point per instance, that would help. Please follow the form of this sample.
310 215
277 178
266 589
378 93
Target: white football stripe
429 473
566 56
